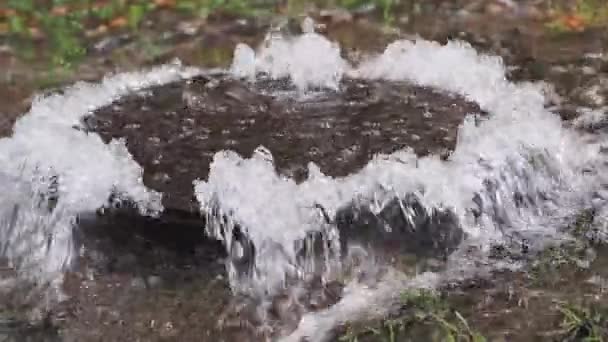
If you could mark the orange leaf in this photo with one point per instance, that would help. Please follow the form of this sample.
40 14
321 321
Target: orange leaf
574 22
59 11
98 5
98 31
164 3
118 22
35 32
7 12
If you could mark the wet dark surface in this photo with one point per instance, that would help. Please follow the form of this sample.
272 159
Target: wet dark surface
174 131
433 234
142 263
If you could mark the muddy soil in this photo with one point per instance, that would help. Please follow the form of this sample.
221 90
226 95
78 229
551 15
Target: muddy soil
174 131
141 281
521 305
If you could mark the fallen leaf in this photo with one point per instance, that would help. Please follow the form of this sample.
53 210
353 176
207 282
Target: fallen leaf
164 3
495 8
99 5
574 22
9 12
59 11
35 33
118 22
337 15
98 31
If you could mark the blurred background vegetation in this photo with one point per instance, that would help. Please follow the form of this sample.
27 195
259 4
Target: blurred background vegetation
64 26
61 31
49 43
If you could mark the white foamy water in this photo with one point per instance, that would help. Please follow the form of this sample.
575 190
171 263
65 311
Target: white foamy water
310 60
359 303
50 172
517 174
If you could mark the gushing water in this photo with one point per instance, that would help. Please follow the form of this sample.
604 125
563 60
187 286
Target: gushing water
516 174
52 170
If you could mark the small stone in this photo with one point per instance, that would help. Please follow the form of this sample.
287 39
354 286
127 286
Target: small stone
161 177
138 283
559 69
7 49
494 9
587 70
35 33
35 315
126 261
597 281
188 28
96 32
590 254
107 44
168 330
154 281
584 264
154 140
404 19
533 12
592 96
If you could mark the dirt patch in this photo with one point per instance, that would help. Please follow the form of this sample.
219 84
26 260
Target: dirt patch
174 131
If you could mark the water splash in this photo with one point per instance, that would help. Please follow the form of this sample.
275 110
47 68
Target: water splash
359 303
52 170
310 61
518 174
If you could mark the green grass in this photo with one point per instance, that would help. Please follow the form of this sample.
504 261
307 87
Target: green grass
425 316
593 11
586 324
585 13
568 256
62 24
385 6
429 316
64 27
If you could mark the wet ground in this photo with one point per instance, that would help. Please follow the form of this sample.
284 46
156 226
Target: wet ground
138 280
338 131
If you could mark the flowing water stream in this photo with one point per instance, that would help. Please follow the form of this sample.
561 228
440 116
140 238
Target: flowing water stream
309 169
